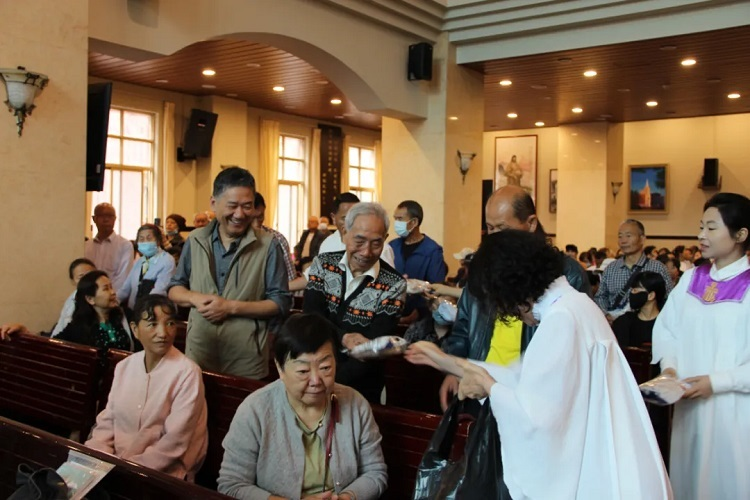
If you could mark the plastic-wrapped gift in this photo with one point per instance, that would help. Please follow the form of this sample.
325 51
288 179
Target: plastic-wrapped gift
381 347
414 287
663 390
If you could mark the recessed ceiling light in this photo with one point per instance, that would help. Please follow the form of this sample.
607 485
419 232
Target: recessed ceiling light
688 62
209 72
564 60
734 95
278 88
547 98
597 141
453 118
322 82
512 115
577 110
505 83
589 73
652 104
252 65
539 124
162 80
623 90
207 86
336 101
232 95
539 87
668 47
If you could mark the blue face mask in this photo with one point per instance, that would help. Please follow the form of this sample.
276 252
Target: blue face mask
147 248
400 227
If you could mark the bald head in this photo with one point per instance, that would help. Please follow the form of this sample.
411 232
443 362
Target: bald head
104 218
510 207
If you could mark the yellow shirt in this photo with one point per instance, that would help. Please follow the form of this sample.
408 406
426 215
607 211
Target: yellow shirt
505 346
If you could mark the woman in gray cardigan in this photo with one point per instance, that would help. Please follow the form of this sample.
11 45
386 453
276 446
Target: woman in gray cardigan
303 436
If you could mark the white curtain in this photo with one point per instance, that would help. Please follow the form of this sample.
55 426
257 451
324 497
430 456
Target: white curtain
313 179
345 165
378 170
268 174
165 193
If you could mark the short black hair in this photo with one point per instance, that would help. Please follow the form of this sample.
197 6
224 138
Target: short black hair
653 282
414 210
512 267
638 224
647 250
735 212
145 306
346 197
302 334
233 177
571 248
78 262
259 201
154 229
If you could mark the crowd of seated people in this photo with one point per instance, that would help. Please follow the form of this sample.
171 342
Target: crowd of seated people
235 276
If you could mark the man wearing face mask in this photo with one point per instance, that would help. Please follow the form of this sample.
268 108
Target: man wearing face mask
416 255
647 297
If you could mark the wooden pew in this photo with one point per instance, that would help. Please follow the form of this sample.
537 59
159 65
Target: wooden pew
180 339
224 394
406 435
25 444
50 382
113 357
411 386
640 362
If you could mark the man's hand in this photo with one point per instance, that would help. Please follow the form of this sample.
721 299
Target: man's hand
352 340
11 328
448 389
475 383
700 387
215 309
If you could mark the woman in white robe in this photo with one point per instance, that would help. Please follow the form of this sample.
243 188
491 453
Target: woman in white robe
571 420
703 337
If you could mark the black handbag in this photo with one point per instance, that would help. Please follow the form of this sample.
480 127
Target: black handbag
42 484
477 474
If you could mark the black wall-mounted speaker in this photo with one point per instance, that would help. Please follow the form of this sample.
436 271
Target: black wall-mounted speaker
97 124
710 172
420 61
198 136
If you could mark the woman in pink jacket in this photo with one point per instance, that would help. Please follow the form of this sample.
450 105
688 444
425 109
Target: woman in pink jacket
156 412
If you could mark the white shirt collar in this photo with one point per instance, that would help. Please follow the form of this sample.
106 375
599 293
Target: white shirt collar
555 290
730 271
344 264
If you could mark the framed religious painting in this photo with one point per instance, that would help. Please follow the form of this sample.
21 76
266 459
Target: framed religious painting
648 189
553 191
515 162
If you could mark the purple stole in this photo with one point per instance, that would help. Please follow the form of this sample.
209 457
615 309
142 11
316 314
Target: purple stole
709 291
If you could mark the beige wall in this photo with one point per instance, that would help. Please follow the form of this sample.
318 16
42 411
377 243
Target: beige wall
42 174
588 215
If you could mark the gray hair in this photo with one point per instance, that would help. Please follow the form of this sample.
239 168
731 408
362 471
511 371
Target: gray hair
366 208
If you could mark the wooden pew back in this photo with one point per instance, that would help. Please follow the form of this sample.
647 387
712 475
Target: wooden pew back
411 386
180 340
50 381
406 435
640 362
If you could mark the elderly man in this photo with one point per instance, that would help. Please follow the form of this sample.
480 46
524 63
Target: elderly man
234 280
200 220
108 251
360 293
615 285
309 243
477 334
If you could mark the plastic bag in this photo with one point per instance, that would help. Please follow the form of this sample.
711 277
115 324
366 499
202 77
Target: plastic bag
478 474
381 347
663 390
414 287
42 484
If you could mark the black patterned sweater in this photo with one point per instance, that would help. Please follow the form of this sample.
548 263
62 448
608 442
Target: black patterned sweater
373 310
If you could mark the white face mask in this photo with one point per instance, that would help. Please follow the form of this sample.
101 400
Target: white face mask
400 227
323 226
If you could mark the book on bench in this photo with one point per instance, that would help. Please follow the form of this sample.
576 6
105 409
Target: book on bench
81 473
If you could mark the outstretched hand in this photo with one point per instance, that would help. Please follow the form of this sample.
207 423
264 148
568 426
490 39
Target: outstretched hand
476 382
425 353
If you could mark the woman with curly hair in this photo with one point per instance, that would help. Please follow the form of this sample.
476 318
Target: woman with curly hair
571 420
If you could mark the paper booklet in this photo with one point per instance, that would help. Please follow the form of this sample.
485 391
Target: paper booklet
81 473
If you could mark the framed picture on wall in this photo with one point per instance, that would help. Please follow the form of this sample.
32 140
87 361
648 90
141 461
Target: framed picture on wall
515 162
648 189
553 191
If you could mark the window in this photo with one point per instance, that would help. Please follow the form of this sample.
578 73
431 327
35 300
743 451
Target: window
290 207
129 177
362 172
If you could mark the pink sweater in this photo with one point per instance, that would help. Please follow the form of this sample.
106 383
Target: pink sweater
155 419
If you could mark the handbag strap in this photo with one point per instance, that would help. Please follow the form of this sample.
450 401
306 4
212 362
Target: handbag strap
329 434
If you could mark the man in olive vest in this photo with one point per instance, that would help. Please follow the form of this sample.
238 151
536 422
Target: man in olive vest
233 279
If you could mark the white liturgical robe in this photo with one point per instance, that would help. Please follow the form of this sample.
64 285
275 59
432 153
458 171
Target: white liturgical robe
705 330
571 419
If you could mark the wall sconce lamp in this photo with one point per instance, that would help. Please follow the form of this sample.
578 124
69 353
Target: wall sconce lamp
615 189
464 163
22 87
